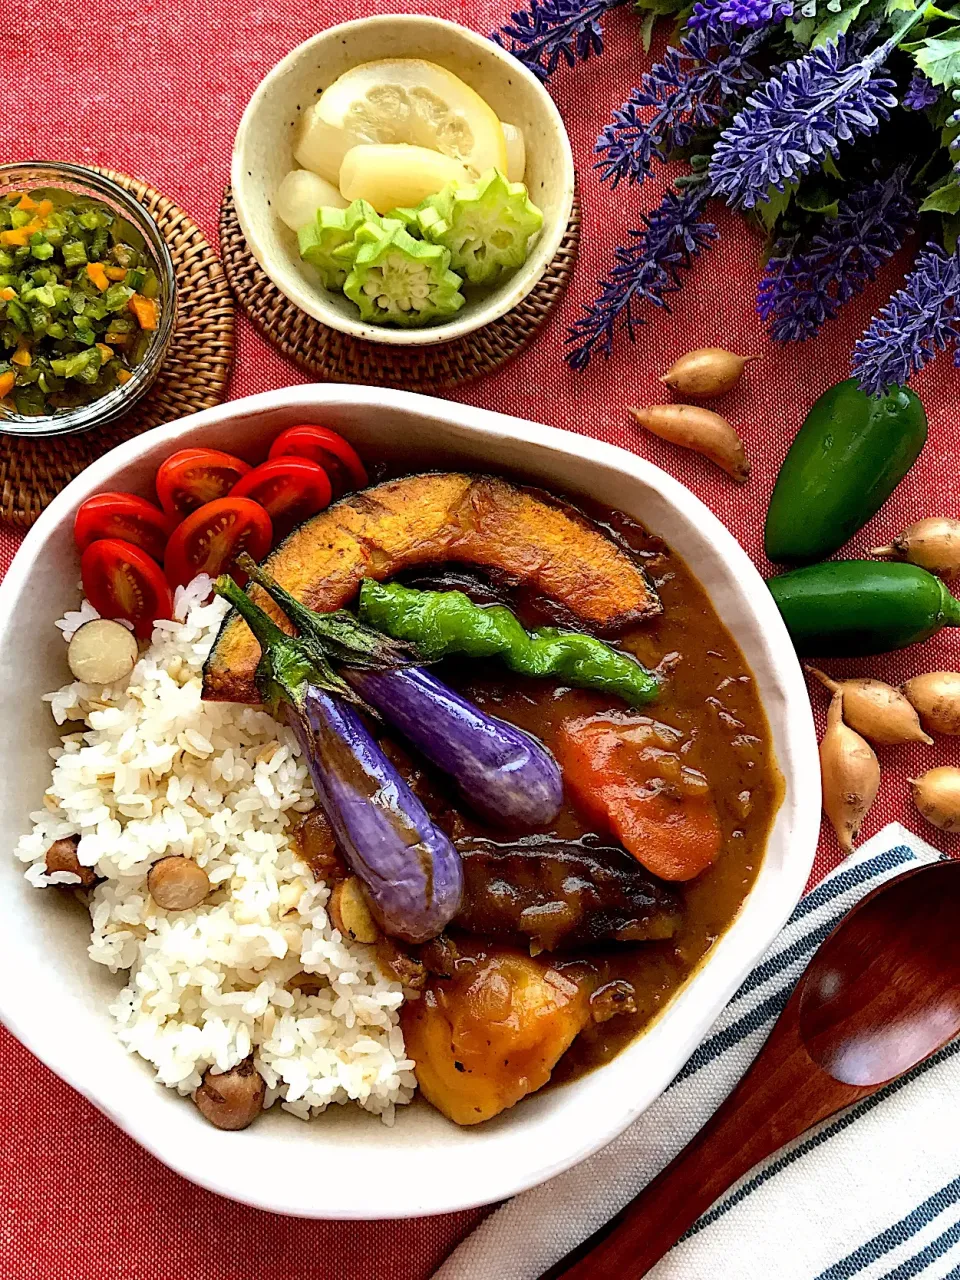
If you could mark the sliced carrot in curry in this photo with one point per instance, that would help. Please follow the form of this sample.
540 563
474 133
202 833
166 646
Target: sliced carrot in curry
427 519
625 772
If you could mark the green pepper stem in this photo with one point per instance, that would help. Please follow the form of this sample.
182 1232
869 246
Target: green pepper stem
949 608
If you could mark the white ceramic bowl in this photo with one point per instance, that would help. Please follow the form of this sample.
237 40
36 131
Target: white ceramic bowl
347 1164
263 154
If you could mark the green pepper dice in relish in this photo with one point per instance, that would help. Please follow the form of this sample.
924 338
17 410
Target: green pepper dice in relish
78 302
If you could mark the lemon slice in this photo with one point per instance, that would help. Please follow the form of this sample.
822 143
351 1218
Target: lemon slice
402 100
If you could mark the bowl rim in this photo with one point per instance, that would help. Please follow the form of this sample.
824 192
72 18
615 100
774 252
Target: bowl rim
121 400
725 965
311 301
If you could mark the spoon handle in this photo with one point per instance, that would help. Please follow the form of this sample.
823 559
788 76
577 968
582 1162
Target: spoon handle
781 1095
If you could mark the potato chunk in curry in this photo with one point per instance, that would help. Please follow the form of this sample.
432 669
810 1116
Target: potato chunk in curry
493 1033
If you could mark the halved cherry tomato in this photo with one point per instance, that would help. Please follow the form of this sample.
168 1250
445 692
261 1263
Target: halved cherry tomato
121 581
123 516
191 477
210 539
290 489
627 773
338 458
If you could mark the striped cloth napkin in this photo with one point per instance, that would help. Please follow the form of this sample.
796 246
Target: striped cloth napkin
872 1193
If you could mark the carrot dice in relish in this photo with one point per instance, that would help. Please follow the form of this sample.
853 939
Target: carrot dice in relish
97 274
145 309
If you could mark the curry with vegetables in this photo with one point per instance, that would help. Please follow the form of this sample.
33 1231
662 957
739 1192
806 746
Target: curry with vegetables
544 774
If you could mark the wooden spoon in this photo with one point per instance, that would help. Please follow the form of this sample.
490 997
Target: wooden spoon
880 996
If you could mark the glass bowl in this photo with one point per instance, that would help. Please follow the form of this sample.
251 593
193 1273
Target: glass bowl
39 177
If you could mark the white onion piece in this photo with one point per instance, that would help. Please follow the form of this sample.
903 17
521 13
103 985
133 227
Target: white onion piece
301 194
391 175
516 152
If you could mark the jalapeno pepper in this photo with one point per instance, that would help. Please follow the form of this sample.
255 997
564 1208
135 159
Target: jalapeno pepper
848 457
858 607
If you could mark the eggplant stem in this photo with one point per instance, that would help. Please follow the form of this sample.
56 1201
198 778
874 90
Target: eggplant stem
263 627
340 634
288 664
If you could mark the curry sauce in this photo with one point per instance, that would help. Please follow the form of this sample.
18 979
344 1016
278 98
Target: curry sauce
709 696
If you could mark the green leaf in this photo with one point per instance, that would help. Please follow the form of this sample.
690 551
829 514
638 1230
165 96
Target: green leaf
939 57
945 199
818 200
838 23
829 167
646 30
951 233
660 7
802 30
775 205
895 6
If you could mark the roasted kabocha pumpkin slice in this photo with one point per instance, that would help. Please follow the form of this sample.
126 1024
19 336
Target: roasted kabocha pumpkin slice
426 519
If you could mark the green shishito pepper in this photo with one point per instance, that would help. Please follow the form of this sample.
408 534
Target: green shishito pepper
859 607
848 457
442 623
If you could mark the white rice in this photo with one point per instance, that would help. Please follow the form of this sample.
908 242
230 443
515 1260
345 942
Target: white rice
156 771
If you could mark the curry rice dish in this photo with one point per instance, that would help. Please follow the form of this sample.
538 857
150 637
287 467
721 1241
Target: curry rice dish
568 919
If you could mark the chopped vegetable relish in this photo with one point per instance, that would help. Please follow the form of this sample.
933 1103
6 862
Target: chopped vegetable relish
78 302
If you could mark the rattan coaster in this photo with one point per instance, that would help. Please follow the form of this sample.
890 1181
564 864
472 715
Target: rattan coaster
340 358
194 375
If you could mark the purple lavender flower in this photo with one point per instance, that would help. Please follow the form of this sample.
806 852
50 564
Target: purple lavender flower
920 320
800 291
645 271
690 89
794 121
741 13
551 30
921 93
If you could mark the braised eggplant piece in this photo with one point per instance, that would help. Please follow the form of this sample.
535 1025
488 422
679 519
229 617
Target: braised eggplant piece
423 519
561 893
482 588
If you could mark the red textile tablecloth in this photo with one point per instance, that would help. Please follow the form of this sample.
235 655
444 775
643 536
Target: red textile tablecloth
156 88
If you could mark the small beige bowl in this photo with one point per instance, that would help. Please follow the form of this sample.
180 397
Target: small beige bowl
263 154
